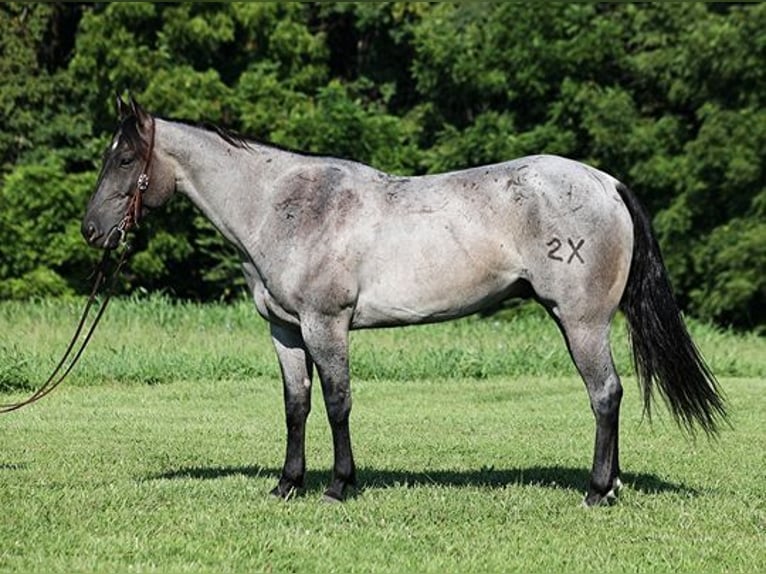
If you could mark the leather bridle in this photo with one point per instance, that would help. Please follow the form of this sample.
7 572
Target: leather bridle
134 211
130 220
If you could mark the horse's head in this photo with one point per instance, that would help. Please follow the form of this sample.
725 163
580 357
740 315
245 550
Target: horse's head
132 179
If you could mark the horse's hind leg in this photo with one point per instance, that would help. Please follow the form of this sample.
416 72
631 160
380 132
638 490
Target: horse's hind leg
588 343
296 367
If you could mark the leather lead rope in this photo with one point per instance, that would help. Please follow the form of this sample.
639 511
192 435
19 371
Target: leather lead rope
55 378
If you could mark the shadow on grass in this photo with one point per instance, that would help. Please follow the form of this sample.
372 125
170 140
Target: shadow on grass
555 477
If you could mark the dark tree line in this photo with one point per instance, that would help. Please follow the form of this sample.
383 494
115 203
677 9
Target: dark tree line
666 97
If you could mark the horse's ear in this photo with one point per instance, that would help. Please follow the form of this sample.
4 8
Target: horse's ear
123 110
141 115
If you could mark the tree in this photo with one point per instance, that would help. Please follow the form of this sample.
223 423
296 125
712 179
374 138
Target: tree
666 97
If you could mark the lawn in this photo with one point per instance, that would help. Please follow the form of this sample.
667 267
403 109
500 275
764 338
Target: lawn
473 441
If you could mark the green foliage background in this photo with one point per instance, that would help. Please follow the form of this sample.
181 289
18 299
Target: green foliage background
667 97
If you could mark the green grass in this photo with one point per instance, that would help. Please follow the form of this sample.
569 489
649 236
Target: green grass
151 341
473 441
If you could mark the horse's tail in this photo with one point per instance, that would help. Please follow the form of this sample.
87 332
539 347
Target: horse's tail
663 352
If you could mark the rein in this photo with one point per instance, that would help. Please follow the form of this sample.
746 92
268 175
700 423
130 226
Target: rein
129 221
55 379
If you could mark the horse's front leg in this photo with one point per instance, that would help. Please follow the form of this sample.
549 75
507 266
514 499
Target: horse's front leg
327 340
296 366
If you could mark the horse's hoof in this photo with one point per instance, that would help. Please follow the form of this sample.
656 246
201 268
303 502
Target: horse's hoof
329 498
339 492
335 493
594 498
285 491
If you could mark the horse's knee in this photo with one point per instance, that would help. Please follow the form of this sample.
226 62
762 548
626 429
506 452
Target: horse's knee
338 406
297 411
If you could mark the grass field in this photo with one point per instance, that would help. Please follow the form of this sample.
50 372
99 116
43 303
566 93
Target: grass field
473 441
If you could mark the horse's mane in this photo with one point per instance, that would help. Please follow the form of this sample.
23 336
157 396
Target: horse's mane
243 141
231 137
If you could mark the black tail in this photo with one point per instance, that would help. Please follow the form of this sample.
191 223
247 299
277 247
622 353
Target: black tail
663 351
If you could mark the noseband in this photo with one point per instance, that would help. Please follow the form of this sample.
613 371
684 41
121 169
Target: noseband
132 215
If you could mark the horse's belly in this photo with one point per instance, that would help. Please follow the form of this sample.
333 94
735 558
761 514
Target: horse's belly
433 283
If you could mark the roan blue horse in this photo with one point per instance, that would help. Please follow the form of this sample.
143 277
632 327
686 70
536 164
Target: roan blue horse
330 245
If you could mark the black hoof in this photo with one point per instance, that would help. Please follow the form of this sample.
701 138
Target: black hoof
330 498
608 498
285 490
340 490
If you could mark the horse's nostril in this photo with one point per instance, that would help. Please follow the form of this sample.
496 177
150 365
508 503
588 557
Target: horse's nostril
90 232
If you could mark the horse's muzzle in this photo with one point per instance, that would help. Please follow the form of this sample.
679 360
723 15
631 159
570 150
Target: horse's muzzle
95 237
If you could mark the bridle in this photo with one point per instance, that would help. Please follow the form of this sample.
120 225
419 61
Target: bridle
132 215
130 220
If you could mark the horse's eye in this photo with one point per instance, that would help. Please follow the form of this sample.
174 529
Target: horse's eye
126 161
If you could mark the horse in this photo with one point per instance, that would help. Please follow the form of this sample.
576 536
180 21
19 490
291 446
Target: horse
328 245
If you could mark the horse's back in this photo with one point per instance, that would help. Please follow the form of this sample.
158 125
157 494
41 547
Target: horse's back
446 245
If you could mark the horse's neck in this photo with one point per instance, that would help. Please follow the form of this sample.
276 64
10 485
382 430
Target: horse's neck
226 182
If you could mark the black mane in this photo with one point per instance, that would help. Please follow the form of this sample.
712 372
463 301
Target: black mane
231 137
241 141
